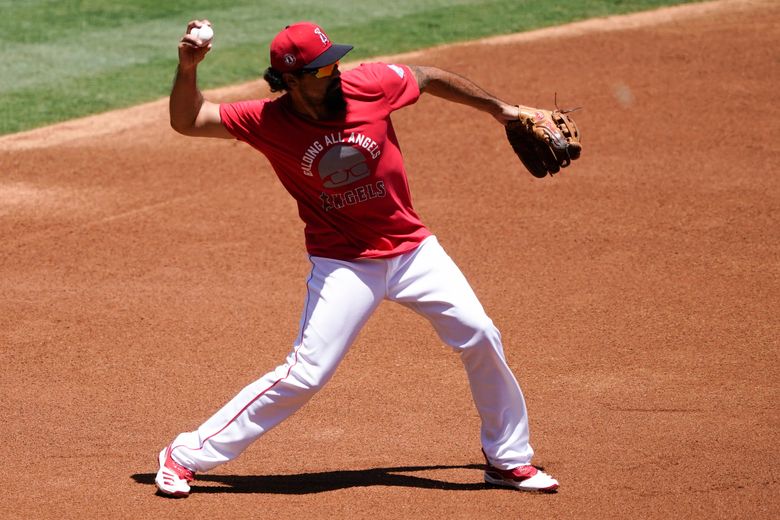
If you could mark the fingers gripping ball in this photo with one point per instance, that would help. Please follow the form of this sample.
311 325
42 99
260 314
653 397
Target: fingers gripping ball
203 33
545 141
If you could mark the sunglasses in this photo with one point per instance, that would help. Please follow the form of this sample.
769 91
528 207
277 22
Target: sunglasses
323 72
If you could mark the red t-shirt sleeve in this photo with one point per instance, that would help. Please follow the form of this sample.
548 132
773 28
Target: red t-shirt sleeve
242 118
396 84
400 85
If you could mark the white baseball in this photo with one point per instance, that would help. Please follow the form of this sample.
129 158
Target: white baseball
204 33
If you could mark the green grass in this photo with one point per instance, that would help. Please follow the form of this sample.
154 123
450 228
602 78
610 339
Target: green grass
63 59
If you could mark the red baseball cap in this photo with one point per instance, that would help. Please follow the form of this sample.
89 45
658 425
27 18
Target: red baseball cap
304 45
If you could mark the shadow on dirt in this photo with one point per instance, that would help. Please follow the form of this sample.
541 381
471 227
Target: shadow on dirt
306 483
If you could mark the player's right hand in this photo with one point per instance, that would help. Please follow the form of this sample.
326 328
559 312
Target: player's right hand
190 53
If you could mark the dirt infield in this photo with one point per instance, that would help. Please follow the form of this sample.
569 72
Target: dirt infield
147 277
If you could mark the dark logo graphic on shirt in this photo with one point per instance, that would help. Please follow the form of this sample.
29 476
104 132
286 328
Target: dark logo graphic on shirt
342 165
341 160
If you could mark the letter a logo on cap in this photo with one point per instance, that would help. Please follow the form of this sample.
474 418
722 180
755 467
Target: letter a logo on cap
322 36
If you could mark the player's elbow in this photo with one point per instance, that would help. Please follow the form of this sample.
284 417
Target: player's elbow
178 127
183 128
206 123
195 128
422 74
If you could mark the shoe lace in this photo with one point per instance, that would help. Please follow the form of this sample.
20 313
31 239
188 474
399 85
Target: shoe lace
525 471
181 471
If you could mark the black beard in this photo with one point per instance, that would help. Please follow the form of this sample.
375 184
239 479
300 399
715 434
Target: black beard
334 102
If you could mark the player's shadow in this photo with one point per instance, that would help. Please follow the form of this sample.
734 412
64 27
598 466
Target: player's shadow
306 483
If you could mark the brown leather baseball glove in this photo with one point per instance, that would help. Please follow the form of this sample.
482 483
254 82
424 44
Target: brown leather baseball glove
544 140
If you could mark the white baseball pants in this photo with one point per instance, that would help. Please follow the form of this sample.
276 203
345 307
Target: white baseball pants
341 295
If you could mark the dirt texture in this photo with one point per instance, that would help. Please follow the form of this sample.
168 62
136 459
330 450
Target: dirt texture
146 277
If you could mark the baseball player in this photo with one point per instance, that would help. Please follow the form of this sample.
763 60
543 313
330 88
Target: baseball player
330 140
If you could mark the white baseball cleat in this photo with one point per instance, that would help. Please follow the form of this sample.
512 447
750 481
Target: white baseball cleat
524 478
172 478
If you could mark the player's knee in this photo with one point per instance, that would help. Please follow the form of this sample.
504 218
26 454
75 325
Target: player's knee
309 381
478 333
487 334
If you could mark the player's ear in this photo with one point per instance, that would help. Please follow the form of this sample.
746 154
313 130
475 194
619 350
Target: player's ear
292 81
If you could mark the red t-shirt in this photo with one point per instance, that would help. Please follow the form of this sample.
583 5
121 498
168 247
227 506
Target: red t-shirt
347 176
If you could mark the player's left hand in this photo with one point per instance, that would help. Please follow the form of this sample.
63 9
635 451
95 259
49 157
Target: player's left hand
544 140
